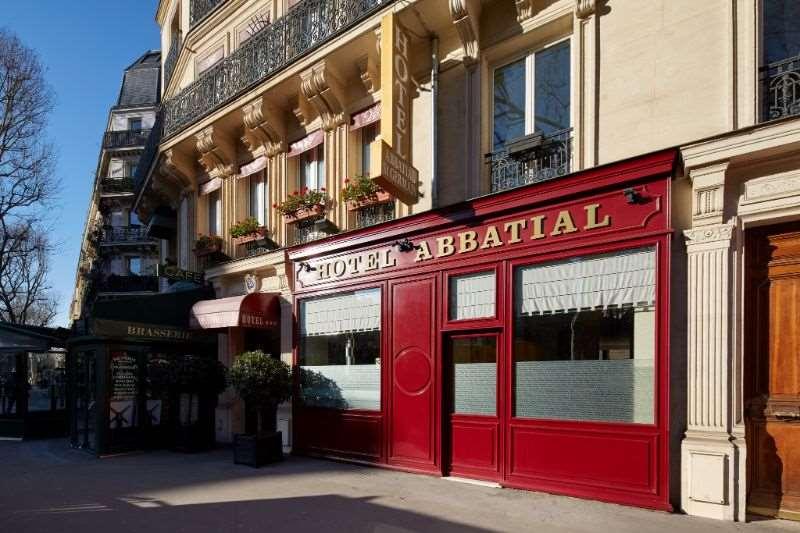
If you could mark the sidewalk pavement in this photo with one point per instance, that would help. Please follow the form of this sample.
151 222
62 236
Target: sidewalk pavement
47 487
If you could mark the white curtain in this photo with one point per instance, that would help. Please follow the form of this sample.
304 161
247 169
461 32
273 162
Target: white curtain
598 282
341 313
472 296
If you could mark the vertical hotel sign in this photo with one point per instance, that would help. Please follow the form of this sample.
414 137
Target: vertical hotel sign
393 170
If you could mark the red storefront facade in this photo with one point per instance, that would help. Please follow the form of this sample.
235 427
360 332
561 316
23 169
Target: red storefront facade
521 338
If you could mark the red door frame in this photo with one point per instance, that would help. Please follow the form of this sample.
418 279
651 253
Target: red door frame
654 170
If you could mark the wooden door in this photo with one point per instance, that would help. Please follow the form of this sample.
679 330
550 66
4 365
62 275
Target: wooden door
471 392
772 379
412 397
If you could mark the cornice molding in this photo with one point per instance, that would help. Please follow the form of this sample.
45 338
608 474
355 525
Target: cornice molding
719 233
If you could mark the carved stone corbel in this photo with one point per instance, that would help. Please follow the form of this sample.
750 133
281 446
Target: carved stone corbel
368 72
178 168
525 9
322 89
585 8
217 153
301 110
466 18
263 130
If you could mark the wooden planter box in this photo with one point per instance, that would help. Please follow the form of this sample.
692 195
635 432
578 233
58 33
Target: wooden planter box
380 197
304 214
260 233
213 249
257 450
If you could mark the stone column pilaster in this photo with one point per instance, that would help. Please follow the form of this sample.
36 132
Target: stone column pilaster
713 450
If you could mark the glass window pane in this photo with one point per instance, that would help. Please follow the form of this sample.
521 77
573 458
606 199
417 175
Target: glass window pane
47 381
474 375
320 177
213 213
8 384
509 103
257 198
472 296
584 338
339 353
781 30
552 89
368 135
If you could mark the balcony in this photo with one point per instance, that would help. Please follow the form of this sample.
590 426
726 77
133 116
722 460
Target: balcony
150 151
124 235
121 185
200 9
304 29
125 139
545 161
374 214
172 58
311 230
130 283
781 88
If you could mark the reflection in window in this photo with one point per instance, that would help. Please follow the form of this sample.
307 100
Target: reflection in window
214 214
311 168
474 375
368 135
8 384
257 198
532 95
781 30
339 353
584 338
46 381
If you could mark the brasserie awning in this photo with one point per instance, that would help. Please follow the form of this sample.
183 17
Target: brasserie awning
260 310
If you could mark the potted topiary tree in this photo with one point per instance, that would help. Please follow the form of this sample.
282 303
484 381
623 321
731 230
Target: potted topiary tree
263 382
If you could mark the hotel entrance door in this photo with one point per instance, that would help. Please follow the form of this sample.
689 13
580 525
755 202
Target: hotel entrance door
472 422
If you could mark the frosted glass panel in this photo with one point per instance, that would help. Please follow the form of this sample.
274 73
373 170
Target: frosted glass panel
474 375
585 338
472 296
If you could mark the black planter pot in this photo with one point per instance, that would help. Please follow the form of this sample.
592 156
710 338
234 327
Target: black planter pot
257 450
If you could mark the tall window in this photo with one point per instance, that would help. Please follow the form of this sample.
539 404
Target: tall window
135 123
339 352
532 94
311 168
257 198
368 135
214 212
781 58
135 265
584 338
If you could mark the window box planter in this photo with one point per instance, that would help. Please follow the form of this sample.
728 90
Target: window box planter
305 213
208 250
258 235
380 197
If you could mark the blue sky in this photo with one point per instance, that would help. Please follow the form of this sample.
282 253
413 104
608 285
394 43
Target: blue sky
85 45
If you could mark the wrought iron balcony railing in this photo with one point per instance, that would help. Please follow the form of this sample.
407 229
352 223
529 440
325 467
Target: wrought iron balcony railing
119 185
199 9
374 214
125 138
172 58
131 283
546 161
311 230
781 88
124 235
303 29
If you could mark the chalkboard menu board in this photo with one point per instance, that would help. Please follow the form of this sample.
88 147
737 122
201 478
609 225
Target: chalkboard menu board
124 376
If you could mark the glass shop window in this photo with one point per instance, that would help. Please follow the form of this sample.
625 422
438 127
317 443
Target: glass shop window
47 381
8 384
584 338
532 95
474 375
257 197
472 296
340 355
311 168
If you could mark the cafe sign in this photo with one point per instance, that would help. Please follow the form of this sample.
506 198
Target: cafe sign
173 273
535 227
393 170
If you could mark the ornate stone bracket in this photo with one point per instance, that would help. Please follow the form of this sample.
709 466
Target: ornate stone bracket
263 131
585 8
466 16
708 193
322 89
217 153
368 72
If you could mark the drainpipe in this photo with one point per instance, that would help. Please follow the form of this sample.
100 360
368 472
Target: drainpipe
434 128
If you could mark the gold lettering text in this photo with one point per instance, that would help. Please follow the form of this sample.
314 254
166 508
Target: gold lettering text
591 217
563 224
492 238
